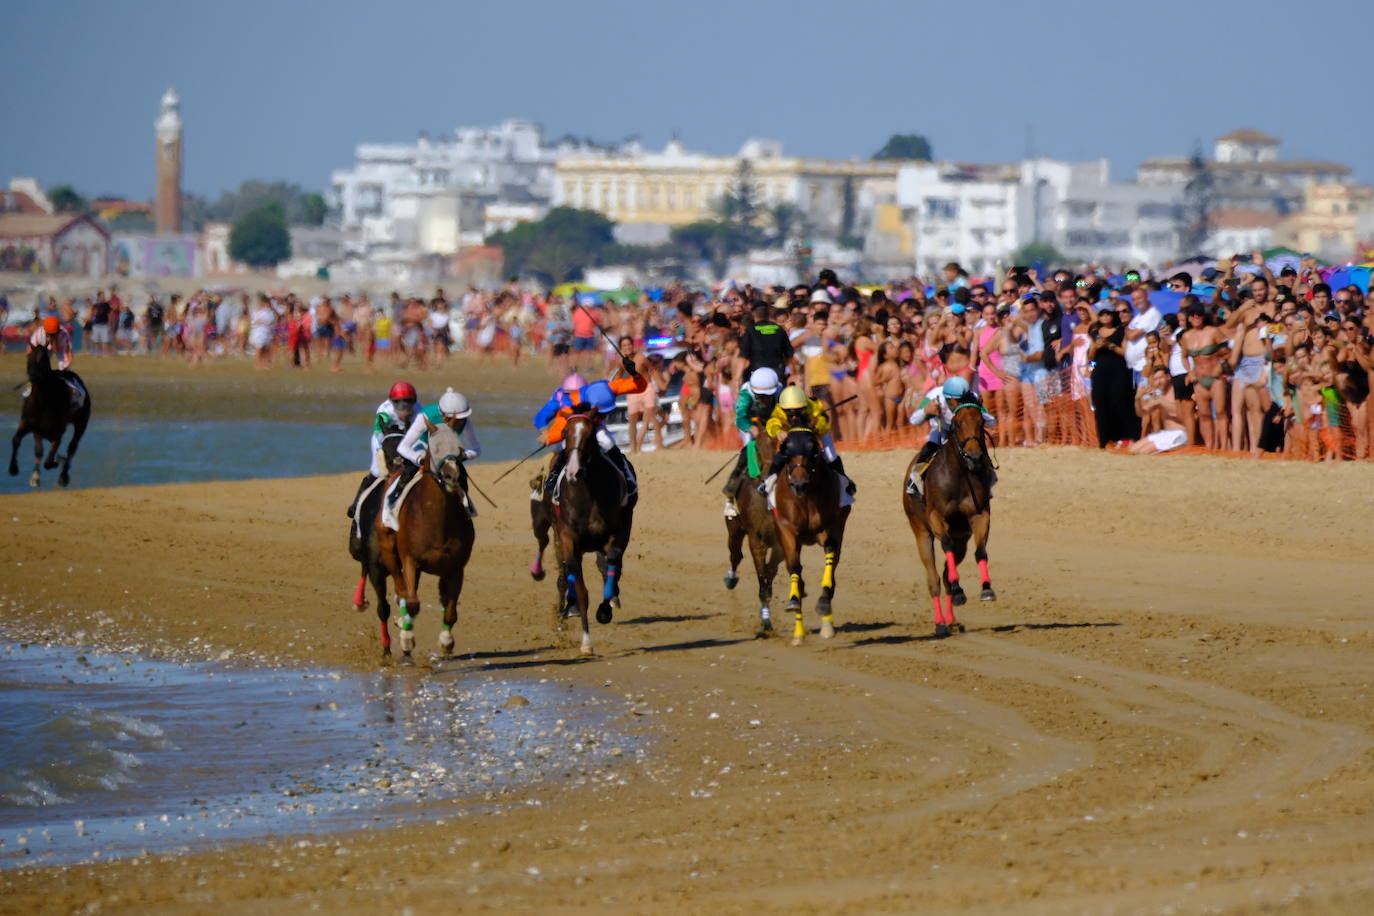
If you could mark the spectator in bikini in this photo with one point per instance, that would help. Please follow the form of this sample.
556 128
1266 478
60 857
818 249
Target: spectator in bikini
888 382
1204 348
1251 379
1158 410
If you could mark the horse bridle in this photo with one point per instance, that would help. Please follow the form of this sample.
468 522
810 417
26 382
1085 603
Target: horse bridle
439 471
981 438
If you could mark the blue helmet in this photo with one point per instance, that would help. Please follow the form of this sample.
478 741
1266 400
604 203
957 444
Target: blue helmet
600 396
955 387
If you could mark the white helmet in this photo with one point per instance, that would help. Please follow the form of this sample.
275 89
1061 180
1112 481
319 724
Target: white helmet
452 404
764 381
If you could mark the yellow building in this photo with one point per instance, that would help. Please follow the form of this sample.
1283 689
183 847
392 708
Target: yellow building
675 186
1327 225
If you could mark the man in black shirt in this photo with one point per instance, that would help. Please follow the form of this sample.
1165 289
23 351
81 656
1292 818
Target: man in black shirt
765 345
99 322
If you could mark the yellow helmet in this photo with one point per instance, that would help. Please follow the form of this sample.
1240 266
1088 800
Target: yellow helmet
792 398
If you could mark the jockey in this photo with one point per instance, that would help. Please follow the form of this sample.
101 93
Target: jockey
798 413
599 397
453 409
52 335
392 416
757 400
935 408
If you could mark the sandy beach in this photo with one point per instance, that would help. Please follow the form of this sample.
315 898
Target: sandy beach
1168 708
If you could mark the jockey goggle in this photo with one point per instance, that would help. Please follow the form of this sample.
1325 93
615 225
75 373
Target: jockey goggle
404 407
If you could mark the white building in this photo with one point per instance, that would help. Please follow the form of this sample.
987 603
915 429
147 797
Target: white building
401 195
1117 225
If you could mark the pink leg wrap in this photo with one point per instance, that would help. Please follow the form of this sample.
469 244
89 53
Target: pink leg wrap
953 567
983 568
949 609
386 637
358 596
939 614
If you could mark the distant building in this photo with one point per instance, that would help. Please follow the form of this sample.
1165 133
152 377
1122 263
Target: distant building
1246 173
167 208
25 196
675 186
54 243
1240 231
1329 223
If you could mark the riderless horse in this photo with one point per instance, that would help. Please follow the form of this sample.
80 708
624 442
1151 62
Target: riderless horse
45 414
755 521
807 498
592 514
434 535
363 538
955 503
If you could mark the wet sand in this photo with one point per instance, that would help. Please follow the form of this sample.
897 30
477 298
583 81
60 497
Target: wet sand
1169 707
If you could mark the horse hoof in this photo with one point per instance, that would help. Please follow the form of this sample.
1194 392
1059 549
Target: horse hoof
63 480
988 594
956 627
585 651
827 630
537 571
797 640
959 598
446 642
603 612
570 611
731 580
14 470
34 479
406 660
793 605
941 631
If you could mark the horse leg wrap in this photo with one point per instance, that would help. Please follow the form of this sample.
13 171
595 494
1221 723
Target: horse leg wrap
828 577
794 590
608 590
798 628
952 566
983 568
949 608
359 596
939 611
386 637
571 591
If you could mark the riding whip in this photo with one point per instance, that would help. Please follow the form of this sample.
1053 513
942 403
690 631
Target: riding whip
517 464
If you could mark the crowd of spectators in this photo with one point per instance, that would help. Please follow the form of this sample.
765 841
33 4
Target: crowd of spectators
1238 359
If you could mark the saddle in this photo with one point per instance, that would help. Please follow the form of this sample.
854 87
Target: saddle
391 513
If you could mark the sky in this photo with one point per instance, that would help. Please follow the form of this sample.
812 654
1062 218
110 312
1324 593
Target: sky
287 89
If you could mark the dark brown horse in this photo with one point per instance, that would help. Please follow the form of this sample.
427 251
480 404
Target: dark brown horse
434 535
589 518
955 503
809 512
756 522
362 536
45 415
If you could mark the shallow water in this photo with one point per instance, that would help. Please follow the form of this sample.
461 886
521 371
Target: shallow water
110 755
120 450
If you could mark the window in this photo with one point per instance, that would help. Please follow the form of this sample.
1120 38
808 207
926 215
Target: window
941 208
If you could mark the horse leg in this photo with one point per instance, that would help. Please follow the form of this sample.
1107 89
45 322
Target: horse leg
791 552
541 539
409 586
51 461
982 523
610 589
35 478
377 573
765 569
832 559
577 585
14 447
956 591
360 593
449 587
734 545
78 430
938 531
957 597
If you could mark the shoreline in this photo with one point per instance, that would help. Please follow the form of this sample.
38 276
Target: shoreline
1141 684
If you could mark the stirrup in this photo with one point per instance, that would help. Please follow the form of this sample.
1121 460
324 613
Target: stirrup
731 510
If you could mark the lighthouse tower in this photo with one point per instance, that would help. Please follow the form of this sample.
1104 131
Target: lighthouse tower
167 208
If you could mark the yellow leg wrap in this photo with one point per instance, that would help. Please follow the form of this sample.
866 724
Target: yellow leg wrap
795 591
828 577
828 618
799 629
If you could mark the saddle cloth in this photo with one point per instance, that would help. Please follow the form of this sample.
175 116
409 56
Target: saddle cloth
771 485
358 506
629 484
78 393
390 513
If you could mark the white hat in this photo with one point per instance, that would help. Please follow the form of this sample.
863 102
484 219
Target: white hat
453 404
764 381
821 295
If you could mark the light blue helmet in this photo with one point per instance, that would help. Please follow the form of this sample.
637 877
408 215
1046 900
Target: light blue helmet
600 396
955 387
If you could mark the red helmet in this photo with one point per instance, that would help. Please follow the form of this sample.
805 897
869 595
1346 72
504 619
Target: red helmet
51 324
403 391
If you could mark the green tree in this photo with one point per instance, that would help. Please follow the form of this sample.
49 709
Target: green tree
313 210
299 207
259 238
785 220
905 146
1037 253
558 247
65 200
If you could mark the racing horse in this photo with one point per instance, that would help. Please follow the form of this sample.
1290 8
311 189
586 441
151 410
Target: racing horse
45 415
809 511
956 503
362 536
434 534
589 518
756 522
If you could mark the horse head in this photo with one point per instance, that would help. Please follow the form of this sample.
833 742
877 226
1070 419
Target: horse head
968 433
39 364
579 440
390 443
803 456
445 458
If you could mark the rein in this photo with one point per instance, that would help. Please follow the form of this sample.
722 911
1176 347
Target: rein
966 459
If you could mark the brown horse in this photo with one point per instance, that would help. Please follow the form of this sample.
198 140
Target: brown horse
45 414
956 503
809 512
589 518
434 535
756 522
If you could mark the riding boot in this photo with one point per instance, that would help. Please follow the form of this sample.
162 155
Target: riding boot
468 502
838 467
923 458
622 464
733 483
408 470
555 468
368 480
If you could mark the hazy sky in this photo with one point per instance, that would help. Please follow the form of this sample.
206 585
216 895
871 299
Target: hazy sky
286 89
